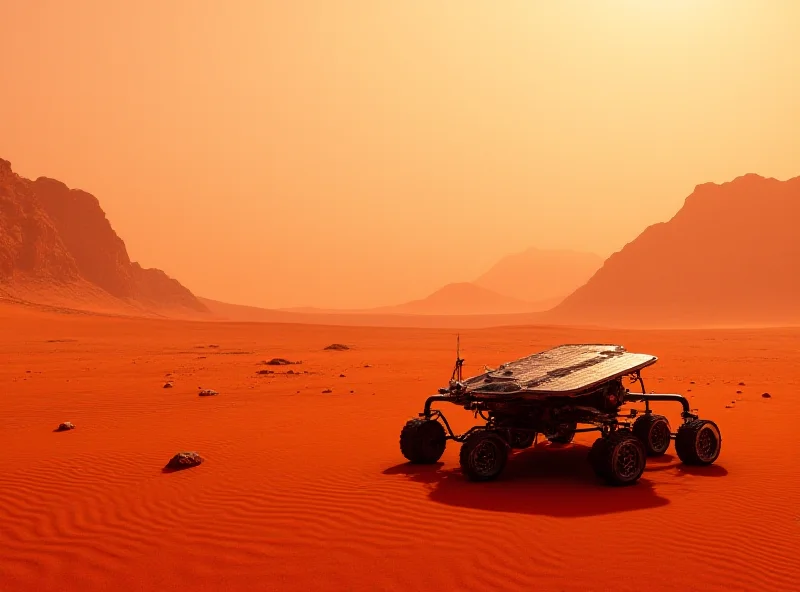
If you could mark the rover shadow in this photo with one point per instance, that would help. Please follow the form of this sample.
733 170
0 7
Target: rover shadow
547 480
670 462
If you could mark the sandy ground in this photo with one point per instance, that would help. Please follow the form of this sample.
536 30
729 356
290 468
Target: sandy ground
303 490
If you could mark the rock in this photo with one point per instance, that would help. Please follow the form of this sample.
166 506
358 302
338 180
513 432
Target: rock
728 406
766 395
738 392
167 385
265 372
342 376
741 384
279 362
184 460
208 393
65 427
367 366
691 382
290 372
337 347
326 391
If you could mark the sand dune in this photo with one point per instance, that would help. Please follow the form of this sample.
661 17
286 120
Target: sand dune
302 490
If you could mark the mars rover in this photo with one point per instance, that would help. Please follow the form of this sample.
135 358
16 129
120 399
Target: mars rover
552 393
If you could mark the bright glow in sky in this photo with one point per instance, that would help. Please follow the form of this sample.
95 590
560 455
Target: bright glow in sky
359 153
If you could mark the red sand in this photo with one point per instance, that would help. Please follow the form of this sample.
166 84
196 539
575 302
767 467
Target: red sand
305 491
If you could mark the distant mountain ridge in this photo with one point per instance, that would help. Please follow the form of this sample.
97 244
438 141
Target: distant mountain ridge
539 275
56 243
730 256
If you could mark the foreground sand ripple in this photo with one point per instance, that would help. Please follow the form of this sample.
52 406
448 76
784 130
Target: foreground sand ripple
309 492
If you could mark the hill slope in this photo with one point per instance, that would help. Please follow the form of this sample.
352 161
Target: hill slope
58 247
539 275
460 299
730 256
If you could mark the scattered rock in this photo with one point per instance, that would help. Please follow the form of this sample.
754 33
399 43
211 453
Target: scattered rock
738 392
766 395
688 390
326 391
208 393
290 372
65 427
184 460
741 384
279 362
168 384
212 345
351 392
265 372
691 382
367 366
298 392
337 347
342 376
728 406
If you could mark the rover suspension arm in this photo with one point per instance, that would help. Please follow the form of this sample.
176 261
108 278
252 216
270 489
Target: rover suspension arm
637 397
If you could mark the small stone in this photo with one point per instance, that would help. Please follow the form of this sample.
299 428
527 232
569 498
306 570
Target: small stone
279 362
766 395
741 384
337 347
688 390
65 427
168 385
184 460
691 382
213 345
326 391
265 372
367 366
351 392
208 393
290 372
342 376
728 406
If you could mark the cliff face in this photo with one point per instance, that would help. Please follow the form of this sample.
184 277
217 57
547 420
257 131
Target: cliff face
731 255
50 233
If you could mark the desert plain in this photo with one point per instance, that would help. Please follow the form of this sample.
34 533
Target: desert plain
302 489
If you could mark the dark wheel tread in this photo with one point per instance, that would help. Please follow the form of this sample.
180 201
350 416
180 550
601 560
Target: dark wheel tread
654 431
687 442
602 457
422 441
497 446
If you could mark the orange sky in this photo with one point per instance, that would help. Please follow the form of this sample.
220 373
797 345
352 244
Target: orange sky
348 154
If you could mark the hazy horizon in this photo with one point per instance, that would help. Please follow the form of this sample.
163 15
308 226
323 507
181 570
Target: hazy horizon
360 154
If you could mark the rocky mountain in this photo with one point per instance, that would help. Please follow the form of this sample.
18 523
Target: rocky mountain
57 242
730 256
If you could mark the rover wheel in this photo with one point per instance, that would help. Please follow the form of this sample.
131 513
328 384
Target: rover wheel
698 442
422 441
654 432
595 455
619 458
483 456
520 439
562 433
